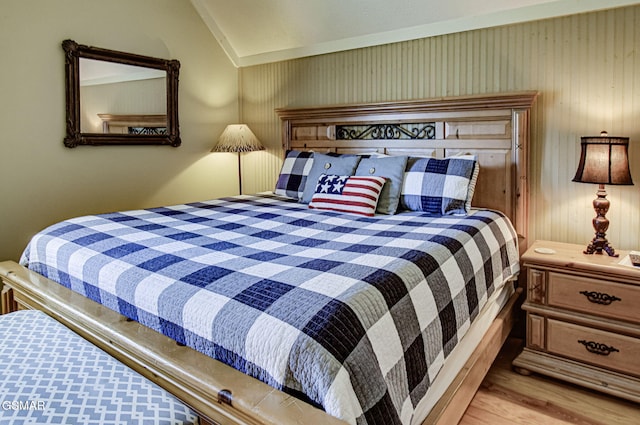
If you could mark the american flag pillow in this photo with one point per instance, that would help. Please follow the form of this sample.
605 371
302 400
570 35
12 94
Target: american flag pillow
349 194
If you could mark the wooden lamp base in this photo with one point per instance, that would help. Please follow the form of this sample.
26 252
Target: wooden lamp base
600 224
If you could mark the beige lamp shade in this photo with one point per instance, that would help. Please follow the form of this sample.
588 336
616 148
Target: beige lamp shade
237 138
604 160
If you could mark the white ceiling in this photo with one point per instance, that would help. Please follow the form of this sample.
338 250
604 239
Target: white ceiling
95 72
260 31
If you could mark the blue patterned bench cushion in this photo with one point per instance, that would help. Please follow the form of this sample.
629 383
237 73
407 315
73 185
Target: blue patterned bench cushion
352 314
50 375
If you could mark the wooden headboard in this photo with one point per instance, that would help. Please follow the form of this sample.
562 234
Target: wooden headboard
495 128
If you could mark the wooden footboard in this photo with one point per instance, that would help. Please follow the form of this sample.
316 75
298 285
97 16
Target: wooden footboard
219 393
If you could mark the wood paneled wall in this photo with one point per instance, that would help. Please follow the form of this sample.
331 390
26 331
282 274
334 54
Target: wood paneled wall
586 68
130 97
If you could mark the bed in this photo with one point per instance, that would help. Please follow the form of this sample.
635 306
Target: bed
324 310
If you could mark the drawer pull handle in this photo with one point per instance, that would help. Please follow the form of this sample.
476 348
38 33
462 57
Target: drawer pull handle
599 297
598 348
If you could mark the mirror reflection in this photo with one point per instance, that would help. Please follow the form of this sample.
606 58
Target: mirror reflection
122 99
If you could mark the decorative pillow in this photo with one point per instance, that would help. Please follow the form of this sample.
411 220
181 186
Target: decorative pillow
293 175
474 176
343 165
472 185
391 167
437 186
349 194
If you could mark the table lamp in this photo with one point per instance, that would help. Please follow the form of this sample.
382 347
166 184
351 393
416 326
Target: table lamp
603 160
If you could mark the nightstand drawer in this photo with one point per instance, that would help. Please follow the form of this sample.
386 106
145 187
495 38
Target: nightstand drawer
606 299
601 348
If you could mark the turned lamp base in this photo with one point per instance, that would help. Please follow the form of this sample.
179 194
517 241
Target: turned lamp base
600 224
603 160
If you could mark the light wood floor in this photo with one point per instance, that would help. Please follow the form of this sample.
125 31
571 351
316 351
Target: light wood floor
507 398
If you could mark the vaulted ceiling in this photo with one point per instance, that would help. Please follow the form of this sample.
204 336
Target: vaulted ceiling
261 31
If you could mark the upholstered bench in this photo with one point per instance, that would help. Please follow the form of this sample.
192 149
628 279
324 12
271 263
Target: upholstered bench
50 375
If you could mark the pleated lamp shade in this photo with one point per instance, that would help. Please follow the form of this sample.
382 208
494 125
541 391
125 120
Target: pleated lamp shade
237 138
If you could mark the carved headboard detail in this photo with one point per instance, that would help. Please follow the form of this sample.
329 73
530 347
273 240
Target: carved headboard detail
134 124
495 128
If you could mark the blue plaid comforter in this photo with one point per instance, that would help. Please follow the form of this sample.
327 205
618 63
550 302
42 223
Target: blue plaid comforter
355 315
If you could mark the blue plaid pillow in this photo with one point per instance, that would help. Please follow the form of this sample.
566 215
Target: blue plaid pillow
293 175
437 186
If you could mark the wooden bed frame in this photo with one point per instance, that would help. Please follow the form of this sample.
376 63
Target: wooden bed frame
495 128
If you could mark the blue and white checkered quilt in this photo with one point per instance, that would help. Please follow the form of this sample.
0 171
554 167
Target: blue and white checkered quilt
353 314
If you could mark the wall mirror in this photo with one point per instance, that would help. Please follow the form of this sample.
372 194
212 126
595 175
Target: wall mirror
119 98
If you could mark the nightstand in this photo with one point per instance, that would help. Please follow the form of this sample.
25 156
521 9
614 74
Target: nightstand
583 319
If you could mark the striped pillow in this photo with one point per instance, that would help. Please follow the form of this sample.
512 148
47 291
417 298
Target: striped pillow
348 194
